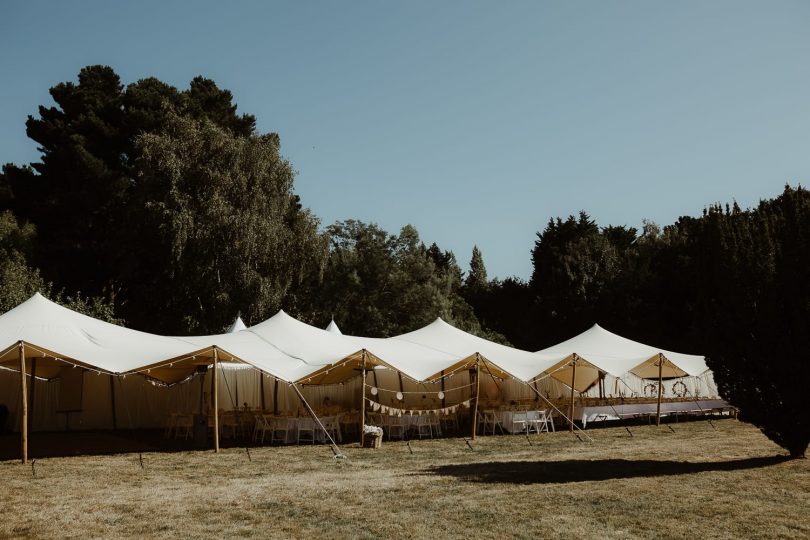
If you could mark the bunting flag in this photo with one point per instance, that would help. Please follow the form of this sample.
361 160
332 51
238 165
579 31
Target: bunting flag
393 411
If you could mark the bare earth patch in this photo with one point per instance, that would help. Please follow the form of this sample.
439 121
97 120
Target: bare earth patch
696 482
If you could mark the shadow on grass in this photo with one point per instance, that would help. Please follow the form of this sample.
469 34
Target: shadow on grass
574 470
92 443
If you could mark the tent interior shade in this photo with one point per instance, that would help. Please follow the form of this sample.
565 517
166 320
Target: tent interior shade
586 373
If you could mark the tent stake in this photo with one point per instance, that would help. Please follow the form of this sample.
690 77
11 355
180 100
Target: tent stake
660 372
24 408
216 403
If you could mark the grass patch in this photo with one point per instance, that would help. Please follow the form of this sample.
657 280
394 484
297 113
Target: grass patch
730 482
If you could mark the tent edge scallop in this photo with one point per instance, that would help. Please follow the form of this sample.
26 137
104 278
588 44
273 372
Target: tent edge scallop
466 348
82 340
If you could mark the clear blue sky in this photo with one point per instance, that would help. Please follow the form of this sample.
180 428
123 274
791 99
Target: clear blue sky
474 121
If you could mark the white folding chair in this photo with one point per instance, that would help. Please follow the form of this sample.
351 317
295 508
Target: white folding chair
330 425
520 420
281 427
449 422
435 425
422 426
396 427
547 418
306 430
491 422
262 426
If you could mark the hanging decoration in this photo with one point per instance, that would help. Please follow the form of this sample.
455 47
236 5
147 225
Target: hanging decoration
394 411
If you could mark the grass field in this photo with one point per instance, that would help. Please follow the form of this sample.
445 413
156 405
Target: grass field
728 482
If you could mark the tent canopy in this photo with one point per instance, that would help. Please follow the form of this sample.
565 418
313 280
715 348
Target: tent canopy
598 350
501 361
294 351
52 332
333 327
58 337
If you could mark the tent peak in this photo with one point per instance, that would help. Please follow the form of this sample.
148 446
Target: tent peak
333 327
237 325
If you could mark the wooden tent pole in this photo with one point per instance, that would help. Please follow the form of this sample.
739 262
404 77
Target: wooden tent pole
363 403
660 377
261 389
216 402
31 396
275 397
573 382
235 389
443 398
202 394
477 390
112 401
601 385
23 408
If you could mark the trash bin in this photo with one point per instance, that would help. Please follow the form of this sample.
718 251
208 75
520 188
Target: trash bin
200 431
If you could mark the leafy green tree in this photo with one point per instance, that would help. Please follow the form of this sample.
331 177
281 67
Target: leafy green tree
573 264
381 284
221 229
18 281
752 303
78 194
477 278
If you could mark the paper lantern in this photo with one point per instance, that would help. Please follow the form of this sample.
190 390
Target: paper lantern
374 390
441 395
399 396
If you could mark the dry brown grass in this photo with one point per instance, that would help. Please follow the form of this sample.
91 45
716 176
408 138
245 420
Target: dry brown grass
696 482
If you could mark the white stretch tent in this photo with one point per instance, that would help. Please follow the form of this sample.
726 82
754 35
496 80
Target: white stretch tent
333 327
503 361
50 337
597 350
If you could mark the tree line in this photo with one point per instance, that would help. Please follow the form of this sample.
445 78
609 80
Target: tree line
166 210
